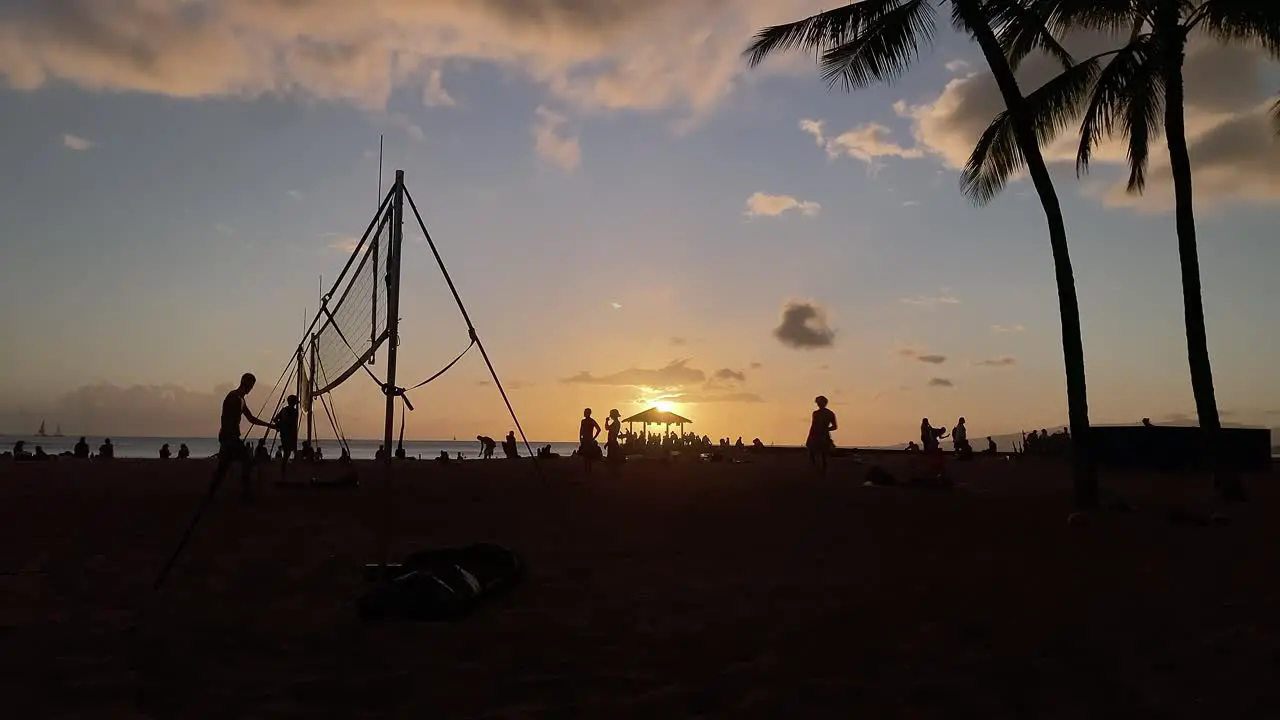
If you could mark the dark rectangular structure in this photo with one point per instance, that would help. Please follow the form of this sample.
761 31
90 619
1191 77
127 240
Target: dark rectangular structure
1174 449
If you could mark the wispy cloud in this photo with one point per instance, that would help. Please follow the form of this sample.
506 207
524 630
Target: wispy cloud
1002 361
911 203
434 94
941 382
77 143
674 374
957 66
868 142
922 356
552 143
1007 328
762 204
345 244
931 301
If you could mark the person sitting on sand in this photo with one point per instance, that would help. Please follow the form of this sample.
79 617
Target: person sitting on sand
287 422
106 451
487 446
991 446
41 454
588 431
230 449
755 444
261 455
82 449
509 446
184 452
20 450
381 453
819 441
165 453
344 457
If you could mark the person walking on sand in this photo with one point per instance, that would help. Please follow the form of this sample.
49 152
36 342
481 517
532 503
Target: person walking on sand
819 441
287 426
230 449
588 431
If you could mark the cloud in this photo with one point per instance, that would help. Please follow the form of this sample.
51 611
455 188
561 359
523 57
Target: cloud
295 194
714 397
1233 152
674 374
755 366
551 144
162 410
765 205
679 341
957 66
670 56
940 382
729 374
868 142
1015 328
911 203
345 244
1002 361
434 94
804 326
931 301
75 142
921 355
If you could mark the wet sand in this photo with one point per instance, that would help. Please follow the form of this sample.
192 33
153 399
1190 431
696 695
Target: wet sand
672 591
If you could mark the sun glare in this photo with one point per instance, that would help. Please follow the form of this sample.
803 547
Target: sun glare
665 406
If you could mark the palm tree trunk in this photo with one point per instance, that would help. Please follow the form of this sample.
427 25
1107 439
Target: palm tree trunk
1085 476
1225 479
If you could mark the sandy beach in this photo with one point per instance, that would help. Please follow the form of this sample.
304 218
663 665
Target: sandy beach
674 590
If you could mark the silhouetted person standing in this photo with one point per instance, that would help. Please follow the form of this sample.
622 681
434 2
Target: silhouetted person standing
613 425
230 448
819 441
588 431
287 425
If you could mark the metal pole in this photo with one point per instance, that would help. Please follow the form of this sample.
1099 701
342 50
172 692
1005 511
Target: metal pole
393 340
311 392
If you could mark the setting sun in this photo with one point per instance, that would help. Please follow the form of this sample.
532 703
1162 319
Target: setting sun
665 406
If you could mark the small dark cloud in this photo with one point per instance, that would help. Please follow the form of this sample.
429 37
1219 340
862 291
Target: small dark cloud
941 382
674 374
804 326
824 367
513 385
728 374
679 341
754 366
1002 361
916 354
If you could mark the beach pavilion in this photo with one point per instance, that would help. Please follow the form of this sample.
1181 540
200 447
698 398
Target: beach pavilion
654 416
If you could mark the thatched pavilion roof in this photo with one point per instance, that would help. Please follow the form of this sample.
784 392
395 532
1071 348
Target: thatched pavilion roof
654 416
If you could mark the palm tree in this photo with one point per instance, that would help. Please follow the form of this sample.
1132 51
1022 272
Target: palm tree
1138 94
877 40
1275 116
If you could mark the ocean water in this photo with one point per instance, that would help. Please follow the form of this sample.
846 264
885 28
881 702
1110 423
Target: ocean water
149 447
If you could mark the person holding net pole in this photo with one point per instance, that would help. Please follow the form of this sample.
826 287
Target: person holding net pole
230 448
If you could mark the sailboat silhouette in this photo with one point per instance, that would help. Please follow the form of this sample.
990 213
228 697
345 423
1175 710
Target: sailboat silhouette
57 432
41 432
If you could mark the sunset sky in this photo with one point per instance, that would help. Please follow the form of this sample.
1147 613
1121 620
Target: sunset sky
629 213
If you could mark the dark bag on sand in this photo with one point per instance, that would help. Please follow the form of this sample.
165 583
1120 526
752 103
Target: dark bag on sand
443 584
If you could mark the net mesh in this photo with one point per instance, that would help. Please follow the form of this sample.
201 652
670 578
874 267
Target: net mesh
353 323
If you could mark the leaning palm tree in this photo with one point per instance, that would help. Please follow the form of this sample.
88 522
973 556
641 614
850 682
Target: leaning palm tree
1275 116
1137 94
876 41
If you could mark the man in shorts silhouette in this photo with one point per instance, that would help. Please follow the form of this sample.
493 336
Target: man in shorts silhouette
230 448
287 425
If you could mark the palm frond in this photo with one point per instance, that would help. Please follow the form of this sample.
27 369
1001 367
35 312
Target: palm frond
1061 16
884 49
1275 116
1127 99
1252 22
1050 108
1023 29
818 33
